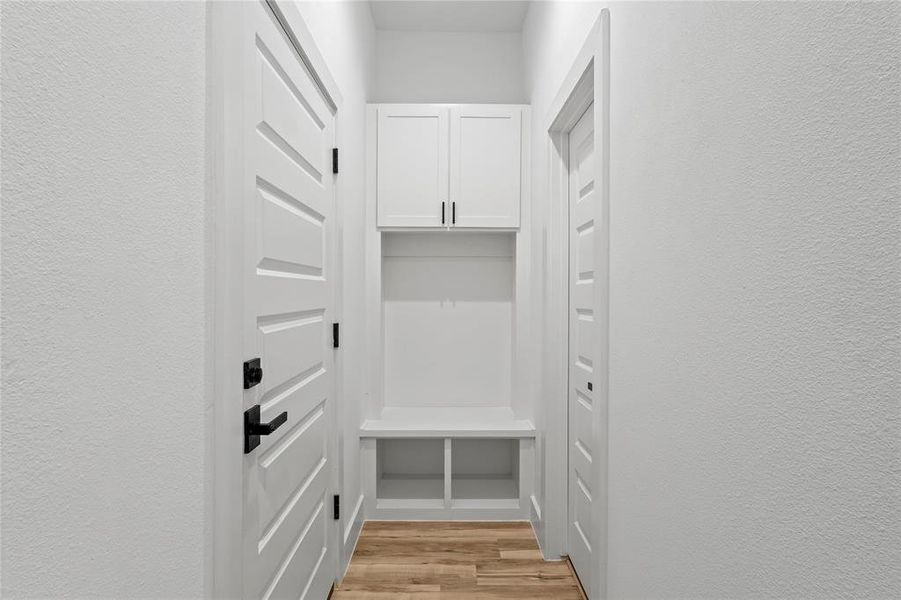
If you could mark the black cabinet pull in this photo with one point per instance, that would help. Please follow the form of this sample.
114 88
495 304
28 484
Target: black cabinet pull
442 213
454 213
253 429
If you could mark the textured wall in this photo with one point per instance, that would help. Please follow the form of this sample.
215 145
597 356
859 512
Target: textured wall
103 299
755 313
433 66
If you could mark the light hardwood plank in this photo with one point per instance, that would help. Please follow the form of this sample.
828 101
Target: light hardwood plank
425 560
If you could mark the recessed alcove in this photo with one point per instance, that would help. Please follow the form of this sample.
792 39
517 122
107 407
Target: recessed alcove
484 469
448 310
411 469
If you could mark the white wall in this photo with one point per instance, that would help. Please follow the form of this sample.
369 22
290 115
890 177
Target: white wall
103 290
103 300
443 293
754 371
432 66
345 35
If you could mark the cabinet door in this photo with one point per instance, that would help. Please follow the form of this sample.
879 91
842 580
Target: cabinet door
485 166
412 166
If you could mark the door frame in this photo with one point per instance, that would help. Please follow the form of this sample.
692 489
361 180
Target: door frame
587 82
224 458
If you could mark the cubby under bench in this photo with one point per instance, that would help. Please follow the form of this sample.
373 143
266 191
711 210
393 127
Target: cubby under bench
447 463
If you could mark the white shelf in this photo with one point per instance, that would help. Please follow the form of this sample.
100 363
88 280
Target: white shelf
442 422
448 477
409 504
484 488
411 487
511 504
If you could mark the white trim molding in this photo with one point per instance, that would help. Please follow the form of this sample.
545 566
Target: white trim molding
587 83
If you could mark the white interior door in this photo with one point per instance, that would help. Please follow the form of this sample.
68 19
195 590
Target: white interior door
584 217
485 165
288 194
412 184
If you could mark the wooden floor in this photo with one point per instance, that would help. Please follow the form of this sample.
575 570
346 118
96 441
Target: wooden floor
427 560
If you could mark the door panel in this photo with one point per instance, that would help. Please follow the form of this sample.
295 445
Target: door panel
292 347
288 133
294 233
286 119
485 165
584 210
412 165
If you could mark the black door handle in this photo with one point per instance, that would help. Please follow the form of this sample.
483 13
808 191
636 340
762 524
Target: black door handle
253 429
267 428
453 213
442 213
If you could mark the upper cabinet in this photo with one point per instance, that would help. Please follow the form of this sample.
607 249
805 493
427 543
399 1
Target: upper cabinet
412 165
446 166
485 165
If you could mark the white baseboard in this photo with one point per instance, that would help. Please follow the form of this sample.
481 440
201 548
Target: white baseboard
352 534
538 526
536 509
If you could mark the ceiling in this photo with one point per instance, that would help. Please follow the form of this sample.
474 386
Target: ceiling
449 15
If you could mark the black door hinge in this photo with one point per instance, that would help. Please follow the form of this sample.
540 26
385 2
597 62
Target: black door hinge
337 511
335 161
336 339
